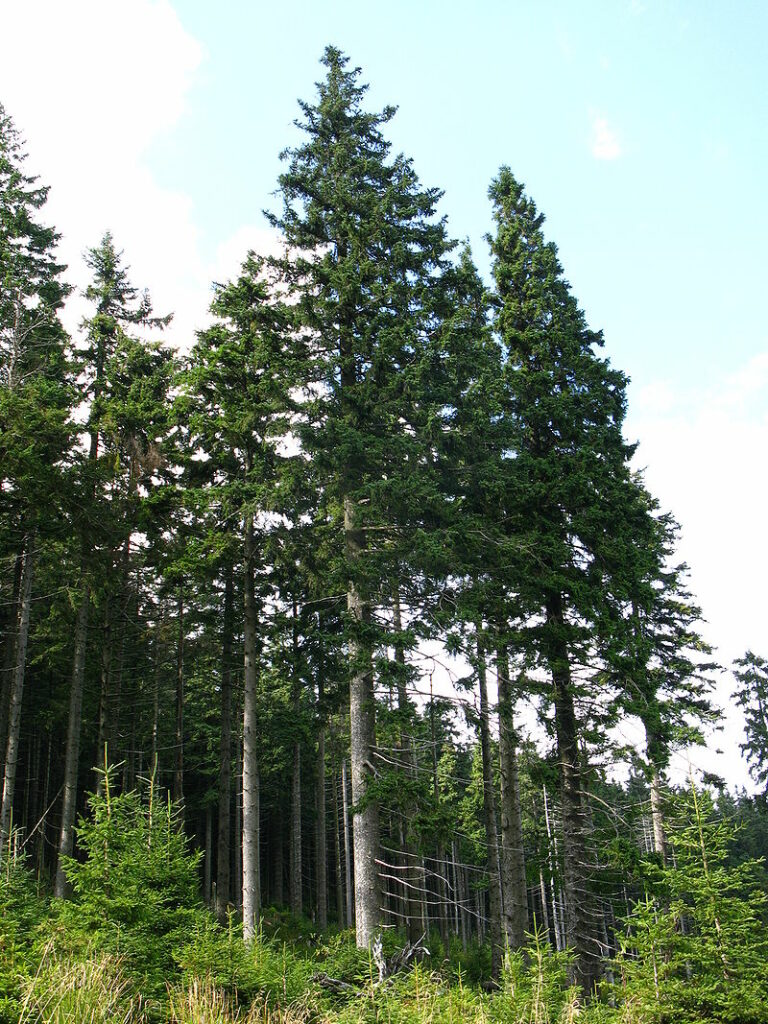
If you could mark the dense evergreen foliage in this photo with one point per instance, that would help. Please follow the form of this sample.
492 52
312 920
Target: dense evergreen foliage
334 622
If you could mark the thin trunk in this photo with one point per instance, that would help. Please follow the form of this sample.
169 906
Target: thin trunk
296 871
225 755
178 770
251 866
544 908
159 659
513 881
321 837
72 756
409 905
347 847
489 815
338 826
278 844
17 691
295 876
104 749
362 719
127 600
43 829
237 858
580 913
207 865
559 938
9 655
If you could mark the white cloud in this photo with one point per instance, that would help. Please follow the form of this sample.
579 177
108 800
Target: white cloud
107 80
705 456
604 141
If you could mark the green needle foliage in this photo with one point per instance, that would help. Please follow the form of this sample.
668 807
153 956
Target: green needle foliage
136 892
751 673
697 947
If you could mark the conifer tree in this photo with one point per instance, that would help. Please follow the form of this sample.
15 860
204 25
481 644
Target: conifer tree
363 246
571 485
114 369
751 674
35 403
237 400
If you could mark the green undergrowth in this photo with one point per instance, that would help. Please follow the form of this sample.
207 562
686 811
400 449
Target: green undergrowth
135 945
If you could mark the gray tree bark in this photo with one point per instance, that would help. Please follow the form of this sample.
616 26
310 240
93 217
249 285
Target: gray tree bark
514 889
321 834
17 690
223 852
251 866
349 895
581 917
178 770
72 755
362 718
489 816
295 876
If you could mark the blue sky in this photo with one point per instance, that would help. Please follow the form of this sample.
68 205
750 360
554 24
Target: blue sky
639 128
662 239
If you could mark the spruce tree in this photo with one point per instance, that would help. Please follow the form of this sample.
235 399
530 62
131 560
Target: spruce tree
751 674
35 404
236 400
115 369
363 248
571 486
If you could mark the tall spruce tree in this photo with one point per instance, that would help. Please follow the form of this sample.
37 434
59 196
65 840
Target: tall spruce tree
114 368
572 484
35 404
363 249
236 399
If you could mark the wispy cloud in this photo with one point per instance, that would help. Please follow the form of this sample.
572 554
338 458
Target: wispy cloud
605 143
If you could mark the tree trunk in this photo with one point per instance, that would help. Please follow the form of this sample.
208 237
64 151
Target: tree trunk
237 853
347 847
489 815
321 836
207 865
514 891
560 940
278 846
225 755
657 813
178 770
72 755
17 691
580 914
251 866
411 907
362 718
296 872
295 877
338 826
104 750
9 654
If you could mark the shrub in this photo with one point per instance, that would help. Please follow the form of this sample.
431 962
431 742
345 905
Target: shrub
136 891
21 912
